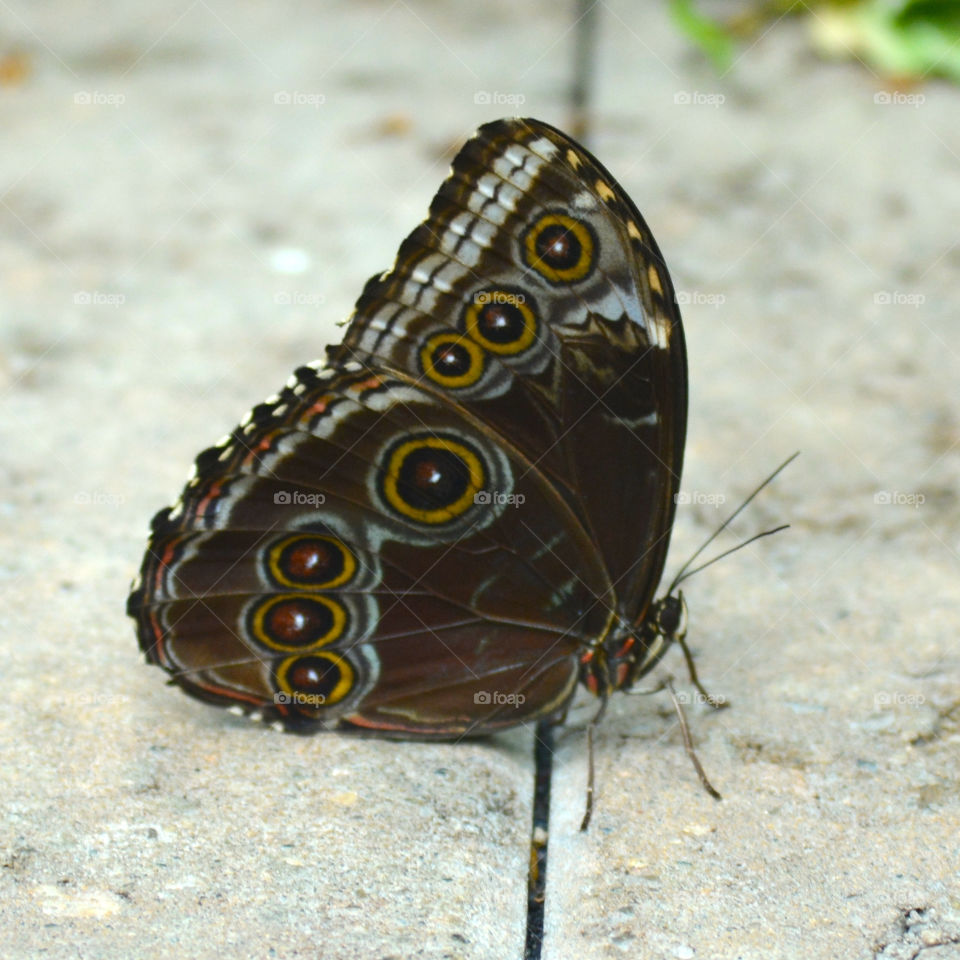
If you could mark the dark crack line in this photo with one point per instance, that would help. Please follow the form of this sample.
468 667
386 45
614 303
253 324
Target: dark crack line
539 836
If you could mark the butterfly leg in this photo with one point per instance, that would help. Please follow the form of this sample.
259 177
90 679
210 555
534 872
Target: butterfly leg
718 703
667 684
591 726
688 743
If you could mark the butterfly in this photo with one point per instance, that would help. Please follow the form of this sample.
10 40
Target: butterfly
462 514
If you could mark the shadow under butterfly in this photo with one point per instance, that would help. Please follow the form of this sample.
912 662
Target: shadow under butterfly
464 513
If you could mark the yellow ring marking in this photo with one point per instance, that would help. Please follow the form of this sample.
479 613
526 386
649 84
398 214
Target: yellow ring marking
439 514
343 687
516 300
336 629
273 561
566 274
467 379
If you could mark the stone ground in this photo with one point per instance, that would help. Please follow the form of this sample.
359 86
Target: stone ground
191 194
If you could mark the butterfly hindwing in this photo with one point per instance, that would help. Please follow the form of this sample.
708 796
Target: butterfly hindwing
336 563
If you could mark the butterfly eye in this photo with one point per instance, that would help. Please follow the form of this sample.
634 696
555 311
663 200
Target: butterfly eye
294 623
452 360
322 679
311 562
501 321
560 248
431 479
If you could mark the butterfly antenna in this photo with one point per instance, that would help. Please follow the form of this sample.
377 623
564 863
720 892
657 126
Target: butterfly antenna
685 570
726 553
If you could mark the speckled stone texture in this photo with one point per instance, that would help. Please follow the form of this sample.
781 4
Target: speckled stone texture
190 197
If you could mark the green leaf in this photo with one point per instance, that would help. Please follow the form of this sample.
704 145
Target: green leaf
714 41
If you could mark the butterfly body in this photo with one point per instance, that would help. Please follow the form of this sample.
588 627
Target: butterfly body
464 513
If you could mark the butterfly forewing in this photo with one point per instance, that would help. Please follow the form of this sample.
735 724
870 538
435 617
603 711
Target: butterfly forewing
532 242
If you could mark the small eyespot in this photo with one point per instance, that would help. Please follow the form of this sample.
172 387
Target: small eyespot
294 622
313 682
502 321
431 479
560 248
310 562
452 360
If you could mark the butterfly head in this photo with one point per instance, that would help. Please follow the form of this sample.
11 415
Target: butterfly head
633 650
668 618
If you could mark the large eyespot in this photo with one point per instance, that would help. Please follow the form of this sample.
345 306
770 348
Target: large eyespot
293 622
431 479
310 562
501 320
452 360
312 682
559 248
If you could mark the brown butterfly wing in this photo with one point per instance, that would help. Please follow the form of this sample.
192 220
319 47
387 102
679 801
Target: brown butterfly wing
429 537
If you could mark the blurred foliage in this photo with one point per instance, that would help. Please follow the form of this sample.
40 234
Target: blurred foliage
715 40
902 40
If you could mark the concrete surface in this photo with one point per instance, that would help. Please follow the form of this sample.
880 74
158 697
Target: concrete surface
190 196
